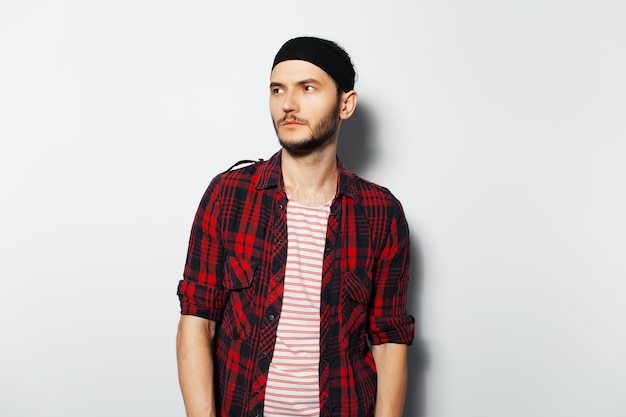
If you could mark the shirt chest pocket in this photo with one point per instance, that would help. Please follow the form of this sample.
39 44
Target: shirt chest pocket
356 289
239 281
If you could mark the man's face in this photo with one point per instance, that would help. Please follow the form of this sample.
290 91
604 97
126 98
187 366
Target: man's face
305 106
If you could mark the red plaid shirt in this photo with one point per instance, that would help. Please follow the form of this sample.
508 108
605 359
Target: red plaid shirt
234 275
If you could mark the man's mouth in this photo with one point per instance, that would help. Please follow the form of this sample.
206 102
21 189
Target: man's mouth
292 122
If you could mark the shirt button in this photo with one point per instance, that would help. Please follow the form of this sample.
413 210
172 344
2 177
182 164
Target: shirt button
280 207
324 398
271 317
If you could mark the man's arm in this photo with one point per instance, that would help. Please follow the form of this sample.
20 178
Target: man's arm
194 351
391 366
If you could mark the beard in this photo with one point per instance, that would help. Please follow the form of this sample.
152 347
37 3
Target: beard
320 134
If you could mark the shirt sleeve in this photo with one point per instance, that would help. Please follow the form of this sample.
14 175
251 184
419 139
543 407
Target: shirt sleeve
201 292
389 321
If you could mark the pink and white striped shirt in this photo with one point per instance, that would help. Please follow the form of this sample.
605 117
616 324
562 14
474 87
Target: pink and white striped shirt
293 380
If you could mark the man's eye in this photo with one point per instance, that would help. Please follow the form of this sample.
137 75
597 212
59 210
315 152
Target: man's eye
277 90
309 88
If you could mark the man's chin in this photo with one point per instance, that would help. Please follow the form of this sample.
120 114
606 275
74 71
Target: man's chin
297 145
303 147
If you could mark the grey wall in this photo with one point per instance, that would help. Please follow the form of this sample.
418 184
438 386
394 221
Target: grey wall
499 125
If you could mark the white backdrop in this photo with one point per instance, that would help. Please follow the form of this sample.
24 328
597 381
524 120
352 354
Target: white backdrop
498 124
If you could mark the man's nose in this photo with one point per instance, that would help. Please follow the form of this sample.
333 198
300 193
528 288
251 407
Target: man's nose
290 102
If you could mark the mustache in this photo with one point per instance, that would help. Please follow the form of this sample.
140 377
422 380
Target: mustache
291 118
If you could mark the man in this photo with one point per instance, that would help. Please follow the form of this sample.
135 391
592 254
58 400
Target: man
294 265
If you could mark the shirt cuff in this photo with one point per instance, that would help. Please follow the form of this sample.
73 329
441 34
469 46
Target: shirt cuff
399 330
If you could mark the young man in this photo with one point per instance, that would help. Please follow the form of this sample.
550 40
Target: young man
294 264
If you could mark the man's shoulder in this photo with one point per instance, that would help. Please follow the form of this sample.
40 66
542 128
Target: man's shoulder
242 170
371 193
242 177
245 173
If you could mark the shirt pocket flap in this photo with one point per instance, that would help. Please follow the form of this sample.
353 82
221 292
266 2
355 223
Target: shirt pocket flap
238 273
358 285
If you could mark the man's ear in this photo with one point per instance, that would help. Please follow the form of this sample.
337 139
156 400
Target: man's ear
348 104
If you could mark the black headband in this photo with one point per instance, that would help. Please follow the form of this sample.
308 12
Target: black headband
325 54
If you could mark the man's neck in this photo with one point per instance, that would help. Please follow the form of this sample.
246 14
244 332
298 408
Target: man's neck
310 179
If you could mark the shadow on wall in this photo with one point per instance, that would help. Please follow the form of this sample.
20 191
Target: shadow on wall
357 151
418 355
356 145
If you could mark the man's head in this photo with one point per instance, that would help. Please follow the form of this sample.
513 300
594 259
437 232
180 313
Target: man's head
327 55
311 91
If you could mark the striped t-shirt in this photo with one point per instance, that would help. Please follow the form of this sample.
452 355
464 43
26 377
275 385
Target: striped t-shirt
293 380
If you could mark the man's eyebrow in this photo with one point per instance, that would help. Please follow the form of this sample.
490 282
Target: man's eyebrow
301 82
309 81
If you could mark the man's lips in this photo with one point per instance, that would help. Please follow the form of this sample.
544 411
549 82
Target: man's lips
291 126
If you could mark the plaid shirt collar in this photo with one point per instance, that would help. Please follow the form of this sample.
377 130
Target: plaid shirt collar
271 176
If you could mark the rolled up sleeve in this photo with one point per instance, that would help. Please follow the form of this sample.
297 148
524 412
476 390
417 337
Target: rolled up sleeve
389 321
201 292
